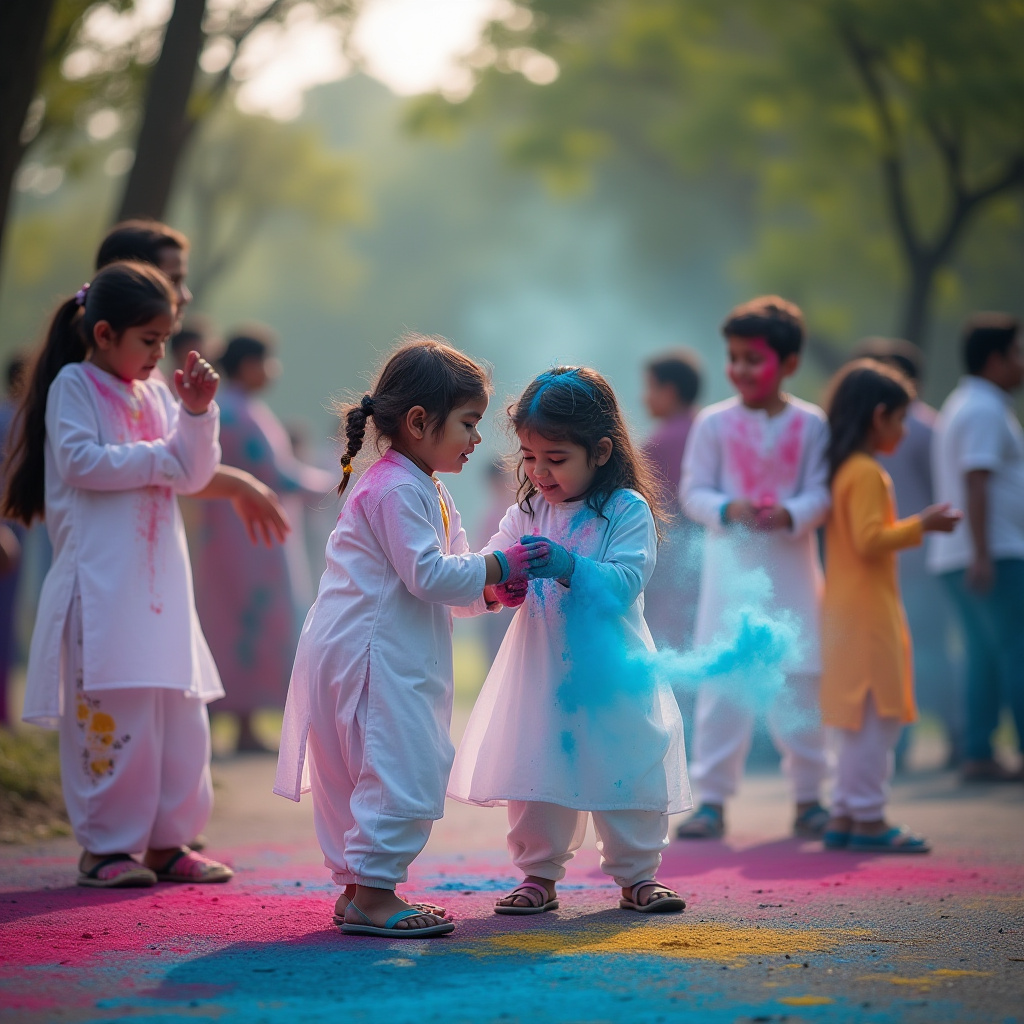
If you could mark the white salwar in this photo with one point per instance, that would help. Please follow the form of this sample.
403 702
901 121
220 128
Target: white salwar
367 719
735 453
571 713
118 661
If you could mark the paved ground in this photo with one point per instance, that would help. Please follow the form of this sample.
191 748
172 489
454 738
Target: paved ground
775 930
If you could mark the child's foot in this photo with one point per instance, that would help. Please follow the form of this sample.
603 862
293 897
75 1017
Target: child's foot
181 864
836 835
375 908
810 821
880 835
341 905
707 822
535 896
651 897
113 871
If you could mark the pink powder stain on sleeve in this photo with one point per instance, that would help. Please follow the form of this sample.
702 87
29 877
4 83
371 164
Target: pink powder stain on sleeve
763 469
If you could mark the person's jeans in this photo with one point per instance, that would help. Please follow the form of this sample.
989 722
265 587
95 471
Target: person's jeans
994 640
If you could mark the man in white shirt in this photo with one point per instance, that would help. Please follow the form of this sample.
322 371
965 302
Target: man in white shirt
978 464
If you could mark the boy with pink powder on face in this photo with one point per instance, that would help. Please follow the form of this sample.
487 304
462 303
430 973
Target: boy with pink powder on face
755 475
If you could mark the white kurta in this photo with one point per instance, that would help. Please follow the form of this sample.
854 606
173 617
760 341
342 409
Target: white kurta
571 712
117 452
382 623
735 453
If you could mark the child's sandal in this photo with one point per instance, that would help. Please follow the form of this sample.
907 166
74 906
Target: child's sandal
118 871
670 903
186 865
536 895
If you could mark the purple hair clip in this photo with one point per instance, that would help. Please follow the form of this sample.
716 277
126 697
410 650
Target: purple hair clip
81 294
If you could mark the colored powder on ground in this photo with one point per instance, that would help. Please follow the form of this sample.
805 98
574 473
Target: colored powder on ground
717 942
928 980
805 1000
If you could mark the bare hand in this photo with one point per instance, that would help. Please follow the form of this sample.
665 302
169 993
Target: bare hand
981 574
491 600
940 518
258 508
772 517
742 512
196 384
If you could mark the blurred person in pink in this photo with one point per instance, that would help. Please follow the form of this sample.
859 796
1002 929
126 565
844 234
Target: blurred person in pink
244 593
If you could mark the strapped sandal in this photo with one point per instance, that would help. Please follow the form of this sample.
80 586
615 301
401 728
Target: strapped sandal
388 930
706 822
132 875
186 865
810 824
424 908
833 839
895 840
528 891
672 903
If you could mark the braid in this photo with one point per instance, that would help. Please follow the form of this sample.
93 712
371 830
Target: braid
355 431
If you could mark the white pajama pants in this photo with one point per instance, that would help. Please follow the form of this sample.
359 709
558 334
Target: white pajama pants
135 763
361 844
723 731
543 837
864 763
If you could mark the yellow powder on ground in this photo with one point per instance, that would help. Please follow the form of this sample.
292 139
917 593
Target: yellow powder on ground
805 1000
927 980
686 941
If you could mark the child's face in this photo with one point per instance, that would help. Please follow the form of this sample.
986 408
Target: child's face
134 354
449 452
174 263
560 470
662 399
756 371
888 428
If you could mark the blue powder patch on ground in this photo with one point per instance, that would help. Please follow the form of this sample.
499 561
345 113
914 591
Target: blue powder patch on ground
568 743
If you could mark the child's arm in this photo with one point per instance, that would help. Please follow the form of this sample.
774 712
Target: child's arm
84 462
700 493
808 508
487 600
193 440
868 501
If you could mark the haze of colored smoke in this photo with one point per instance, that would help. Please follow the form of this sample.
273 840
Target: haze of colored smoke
747 661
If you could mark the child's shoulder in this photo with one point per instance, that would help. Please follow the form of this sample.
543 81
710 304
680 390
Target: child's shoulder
858 469
807 410
711 414
627 504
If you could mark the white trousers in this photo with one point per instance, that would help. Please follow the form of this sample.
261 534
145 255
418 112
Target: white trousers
135 764
864 762
361 844
723 731
542 839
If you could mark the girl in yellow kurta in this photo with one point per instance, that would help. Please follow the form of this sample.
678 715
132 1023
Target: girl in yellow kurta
867 685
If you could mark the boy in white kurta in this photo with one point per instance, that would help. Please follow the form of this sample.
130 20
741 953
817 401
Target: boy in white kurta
755 476
118 662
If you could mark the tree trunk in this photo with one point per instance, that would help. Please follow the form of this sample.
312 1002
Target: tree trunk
22 34
914 321
165 120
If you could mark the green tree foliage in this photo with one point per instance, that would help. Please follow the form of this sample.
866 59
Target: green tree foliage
870 139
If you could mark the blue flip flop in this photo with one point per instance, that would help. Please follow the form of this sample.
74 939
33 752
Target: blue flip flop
834 840
388 929
895 840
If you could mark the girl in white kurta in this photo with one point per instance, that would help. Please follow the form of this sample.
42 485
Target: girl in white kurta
118 663
369 704
571 720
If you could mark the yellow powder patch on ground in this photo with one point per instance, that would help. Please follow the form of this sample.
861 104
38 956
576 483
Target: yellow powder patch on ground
805 1000
926 980
685 941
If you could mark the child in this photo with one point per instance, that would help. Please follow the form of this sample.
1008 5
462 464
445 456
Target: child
867 684
755 477
370 698
561 727
118 663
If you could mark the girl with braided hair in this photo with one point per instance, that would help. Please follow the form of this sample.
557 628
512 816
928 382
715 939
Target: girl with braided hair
366 725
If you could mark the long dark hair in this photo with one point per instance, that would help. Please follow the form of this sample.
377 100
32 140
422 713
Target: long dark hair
854 393
576 404
124 295
423 371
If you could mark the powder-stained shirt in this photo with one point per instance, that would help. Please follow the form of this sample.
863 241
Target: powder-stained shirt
570 712
739 453
117 453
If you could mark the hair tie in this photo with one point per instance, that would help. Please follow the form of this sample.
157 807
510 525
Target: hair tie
81 294
366 405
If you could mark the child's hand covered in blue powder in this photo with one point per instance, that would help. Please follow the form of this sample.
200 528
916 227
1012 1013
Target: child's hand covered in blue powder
550 560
